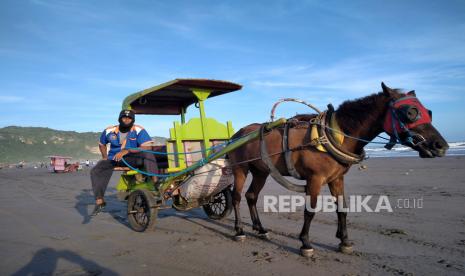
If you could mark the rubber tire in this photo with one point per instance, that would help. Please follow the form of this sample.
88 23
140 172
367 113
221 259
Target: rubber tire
150 211
228 206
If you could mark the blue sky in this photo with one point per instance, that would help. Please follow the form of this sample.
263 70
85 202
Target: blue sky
69 64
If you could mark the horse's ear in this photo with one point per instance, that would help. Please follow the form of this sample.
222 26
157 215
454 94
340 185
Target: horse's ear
412 93
386 90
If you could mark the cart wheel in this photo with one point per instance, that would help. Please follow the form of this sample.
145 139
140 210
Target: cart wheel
220 205
141 213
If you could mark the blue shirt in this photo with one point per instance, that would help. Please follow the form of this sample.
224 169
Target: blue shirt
135 138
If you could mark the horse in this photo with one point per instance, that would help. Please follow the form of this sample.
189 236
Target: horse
399 114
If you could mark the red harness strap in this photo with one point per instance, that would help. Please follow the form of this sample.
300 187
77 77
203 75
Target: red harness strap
391 120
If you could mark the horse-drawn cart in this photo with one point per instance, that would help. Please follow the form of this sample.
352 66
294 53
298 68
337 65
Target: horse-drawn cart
198 174
193 169
60 164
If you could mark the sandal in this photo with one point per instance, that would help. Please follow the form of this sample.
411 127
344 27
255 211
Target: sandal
98 208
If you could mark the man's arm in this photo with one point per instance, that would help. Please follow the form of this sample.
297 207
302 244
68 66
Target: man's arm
123 152
102 146
144 140
103 151
146 147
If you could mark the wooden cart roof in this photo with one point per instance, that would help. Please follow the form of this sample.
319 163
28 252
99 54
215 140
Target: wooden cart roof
170 98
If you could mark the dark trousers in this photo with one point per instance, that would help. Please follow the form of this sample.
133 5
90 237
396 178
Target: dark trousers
101 173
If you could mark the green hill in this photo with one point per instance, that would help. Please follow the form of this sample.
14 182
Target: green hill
34 143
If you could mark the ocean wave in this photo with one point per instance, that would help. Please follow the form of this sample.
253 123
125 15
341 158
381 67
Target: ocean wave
396 148
455 148
456 145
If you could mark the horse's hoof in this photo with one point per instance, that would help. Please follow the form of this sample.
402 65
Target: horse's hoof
263 236
346 249
306 252
240 238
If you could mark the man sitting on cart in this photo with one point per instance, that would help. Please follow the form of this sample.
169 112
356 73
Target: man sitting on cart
121 138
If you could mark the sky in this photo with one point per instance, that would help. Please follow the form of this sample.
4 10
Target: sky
68 65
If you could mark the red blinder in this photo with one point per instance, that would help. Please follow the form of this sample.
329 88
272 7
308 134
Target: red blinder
423 116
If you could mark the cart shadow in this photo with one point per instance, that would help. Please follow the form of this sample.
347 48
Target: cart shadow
45 262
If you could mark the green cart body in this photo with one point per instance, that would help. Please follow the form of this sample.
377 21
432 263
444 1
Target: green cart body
198 134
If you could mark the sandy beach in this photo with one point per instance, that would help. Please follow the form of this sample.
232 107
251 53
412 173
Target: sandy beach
46 229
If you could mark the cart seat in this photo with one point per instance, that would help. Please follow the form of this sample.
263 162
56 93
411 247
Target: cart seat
162 160
121 169
129 171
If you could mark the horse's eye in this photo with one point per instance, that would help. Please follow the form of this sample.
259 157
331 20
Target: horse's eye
408 114
412 114
430 114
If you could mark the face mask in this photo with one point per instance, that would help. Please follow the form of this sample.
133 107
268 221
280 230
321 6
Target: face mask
126 127
406 113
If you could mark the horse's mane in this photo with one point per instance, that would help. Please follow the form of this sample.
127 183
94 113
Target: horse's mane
352 113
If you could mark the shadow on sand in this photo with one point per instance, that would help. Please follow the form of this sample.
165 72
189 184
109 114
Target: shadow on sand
117 210
228 226
45 261
85 203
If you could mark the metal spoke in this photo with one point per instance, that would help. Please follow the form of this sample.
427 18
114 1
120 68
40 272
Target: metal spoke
140 210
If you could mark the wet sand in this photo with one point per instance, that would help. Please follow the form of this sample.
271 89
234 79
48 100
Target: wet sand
46 230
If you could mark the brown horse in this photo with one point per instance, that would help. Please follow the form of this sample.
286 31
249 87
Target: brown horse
364 118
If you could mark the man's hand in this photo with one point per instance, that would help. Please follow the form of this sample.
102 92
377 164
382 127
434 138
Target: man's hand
120 155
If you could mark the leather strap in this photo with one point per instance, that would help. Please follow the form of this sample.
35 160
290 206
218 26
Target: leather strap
332 147
287 154
273 171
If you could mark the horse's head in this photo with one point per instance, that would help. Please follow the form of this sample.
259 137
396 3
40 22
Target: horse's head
410 123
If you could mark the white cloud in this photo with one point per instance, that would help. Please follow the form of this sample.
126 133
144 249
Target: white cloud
356 77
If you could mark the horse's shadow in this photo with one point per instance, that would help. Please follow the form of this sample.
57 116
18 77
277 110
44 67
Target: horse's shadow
45 261
195 214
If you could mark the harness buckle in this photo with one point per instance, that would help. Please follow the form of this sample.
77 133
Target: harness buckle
315 121
319 141
417 139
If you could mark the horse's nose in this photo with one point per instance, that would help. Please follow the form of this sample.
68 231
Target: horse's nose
440 147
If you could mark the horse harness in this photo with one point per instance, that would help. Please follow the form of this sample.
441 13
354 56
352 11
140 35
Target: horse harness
325 136
403 115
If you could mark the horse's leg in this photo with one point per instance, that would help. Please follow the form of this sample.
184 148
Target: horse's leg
337 190
258 181
313 190
240 175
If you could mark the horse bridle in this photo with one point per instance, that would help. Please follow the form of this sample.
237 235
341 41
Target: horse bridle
402 116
